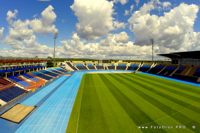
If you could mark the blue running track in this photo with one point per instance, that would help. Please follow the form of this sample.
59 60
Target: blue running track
37 97
53 114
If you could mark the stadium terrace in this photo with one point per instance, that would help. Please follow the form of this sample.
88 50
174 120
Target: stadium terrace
99 66
75 93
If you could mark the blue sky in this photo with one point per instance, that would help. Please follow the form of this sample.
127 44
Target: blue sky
67 19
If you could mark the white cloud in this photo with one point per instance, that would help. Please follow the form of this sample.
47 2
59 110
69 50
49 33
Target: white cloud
22 33
166 4
123 2
172 32
45 24
131 8
94 17
11 15
122 37
126 13
115 39
1 32
130 11
40 51
119 25
113 46
137 1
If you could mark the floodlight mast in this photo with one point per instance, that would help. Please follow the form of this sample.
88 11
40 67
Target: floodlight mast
54 52
152 43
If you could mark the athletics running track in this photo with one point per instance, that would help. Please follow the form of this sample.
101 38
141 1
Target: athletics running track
53 114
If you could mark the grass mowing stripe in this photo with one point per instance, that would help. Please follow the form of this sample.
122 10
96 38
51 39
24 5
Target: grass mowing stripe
129 106
91 111
174 88
177 98
74 117
163 118
163 103
116 118
184 110
193 89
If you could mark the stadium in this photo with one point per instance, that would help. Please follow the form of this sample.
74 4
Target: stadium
128 86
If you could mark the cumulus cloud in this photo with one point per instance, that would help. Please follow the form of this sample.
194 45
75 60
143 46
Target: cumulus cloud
119 25
114 46
166 5
11 15
45 24
28 52
94 17
123 2
1 32
172 32
126 13
137 1
22 33
130 11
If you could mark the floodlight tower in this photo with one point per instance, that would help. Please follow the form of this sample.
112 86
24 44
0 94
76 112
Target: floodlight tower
152 43
54 52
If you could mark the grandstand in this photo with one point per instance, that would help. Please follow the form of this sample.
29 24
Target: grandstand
19 76
30 85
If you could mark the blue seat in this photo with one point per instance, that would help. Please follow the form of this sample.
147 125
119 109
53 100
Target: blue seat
60 69
55 71
42 75
30 77
11 93
49 73
133 67
19 81
197 72
90 66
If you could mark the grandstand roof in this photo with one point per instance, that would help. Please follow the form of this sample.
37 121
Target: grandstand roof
22 60
179 55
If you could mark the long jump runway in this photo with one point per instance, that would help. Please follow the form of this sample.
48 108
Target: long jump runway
53 115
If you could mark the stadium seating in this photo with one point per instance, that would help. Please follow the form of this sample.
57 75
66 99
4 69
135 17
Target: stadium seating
197 72
179 70
69 64
5 84
90 66
121 66
11 93
156 69
33 84
55 71
111 67
30 77
144 67
18 69
49 73
186 70
168 70
43 76
187 73
60 69
186 78
99 67
80 66
19 81
133 67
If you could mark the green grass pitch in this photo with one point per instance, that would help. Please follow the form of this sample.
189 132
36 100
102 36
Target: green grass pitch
134 103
